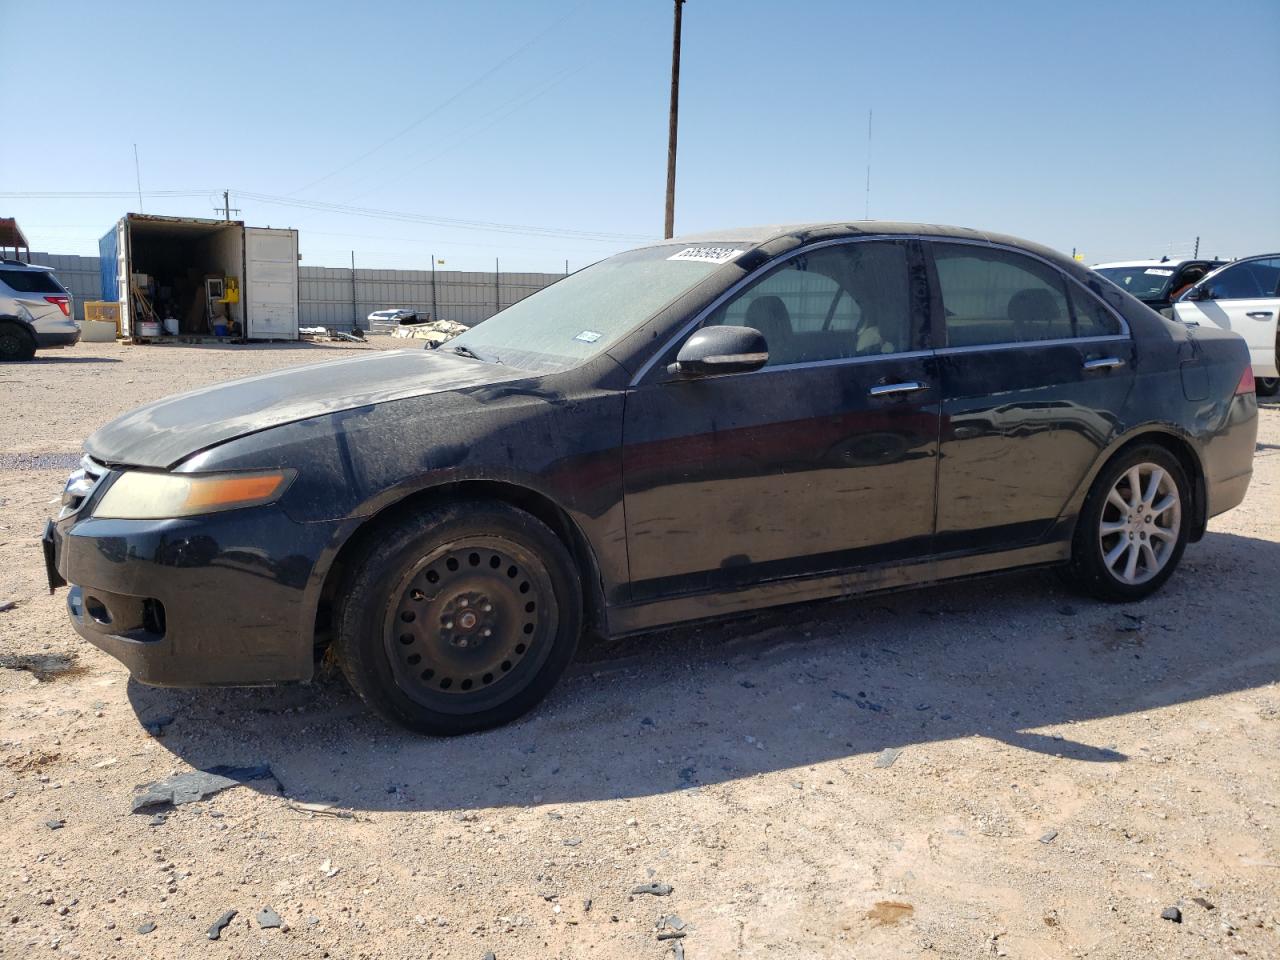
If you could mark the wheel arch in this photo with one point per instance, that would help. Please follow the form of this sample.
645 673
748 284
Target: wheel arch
533 502
1181 446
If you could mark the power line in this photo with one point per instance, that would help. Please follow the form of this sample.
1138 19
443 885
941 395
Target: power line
441 106
98 194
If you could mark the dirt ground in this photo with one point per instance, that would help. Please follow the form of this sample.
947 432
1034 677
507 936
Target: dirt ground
995 768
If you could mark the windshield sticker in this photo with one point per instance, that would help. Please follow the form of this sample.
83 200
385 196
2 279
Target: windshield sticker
1157 272
706 254
588 336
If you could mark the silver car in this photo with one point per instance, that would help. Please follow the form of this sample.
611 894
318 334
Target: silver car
35 311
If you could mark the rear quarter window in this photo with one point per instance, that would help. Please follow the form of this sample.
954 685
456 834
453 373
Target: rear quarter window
31 281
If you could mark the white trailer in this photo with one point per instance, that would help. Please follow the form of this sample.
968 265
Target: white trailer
176 255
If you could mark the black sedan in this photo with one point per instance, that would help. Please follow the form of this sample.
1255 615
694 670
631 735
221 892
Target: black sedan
695 429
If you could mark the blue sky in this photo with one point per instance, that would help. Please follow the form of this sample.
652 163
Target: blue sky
1124 129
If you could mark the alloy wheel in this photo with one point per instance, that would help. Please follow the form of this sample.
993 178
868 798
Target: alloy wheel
1138 531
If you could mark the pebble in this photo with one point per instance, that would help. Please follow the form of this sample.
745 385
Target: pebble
55 824
887 756
268 919
653 889
157 821
146 928
1201 901
1171 913
1049 837
489 956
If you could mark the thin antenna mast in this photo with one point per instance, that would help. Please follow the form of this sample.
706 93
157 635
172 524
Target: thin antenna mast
866 210
137 173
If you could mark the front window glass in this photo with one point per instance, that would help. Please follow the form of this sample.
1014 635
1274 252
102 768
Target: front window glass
1145 283
837 302
1246 281
580 316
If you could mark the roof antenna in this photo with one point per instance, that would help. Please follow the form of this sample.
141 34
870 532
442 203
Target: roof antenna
137 172
866 210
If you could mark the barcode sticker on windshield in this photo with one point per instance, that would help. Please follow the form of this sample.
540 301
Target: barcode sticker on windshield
588 336
1157 272
706 254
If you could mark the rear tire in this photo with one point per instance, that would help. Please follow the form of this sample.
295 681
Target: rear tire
15 343
459 617
1133 528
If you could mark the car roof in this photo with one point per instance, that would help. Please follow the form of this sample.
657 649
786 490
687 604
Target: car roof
23 265
764 233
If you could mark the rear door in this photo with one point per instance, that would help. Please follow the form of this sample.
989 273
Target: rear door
1243 298
271 283
822 460
1034 374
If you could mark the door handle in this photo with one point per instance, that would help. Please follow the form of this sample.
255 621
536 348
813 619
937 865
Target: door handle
1259 314
890 389
1103 363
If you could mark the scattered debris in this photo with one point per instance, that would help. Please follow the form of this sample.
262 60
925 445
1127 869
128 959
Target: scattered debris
1049 837
268 919
55 824
1201 901
43 666
146 928
889 912
7 605
671 922
653 889
1171 913
328 869
1051 918
671 934
156 726
586 905
887 756
215 931
677 951
489 955
322 810
572 841
109 762
197 785
31 762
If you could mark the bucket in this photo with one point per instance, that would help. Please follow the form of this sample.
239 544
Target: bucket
171 326
219 329
148 328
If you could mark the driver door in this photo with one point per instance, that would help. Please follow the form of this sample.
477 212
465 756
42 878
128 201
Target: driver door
1243 298
822 460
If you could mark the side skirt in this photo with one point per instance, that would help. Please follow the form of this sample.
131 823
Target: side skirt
637 618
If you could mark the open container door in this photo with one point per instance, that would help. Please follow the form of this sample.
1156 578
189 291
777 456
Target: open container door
271 283
122 277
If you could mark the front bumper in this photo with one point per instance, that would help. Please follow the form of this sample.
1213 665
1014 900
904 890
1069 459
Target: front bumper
202 601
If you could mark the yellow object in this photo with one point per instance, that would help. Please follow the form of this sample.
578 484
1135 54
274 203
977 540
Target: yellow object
231 290
1080 257
104 311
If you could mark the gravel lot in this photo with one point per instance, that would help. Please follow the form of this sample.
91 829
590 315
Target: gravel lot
1062 771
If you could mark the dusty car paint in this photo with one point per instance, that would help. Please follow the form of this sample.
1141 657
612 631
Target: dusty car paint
680 500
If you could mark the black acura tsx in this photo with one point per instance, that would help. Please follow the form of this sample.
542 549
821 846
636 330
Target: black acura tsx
698 428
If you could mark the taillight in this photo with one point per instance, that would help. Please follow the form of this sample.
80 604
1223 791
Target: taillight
64 304
1246 384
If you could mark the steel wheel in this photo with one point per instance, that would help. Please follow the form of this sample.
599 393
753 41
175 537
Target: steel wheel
471 622
1141 519
14 343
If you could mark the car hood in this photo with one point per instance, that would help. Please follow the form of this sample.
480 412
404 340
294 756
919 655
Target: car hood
164 433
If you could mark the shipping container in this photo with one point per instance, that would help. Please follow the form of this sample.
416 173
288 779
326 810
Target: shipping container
201 277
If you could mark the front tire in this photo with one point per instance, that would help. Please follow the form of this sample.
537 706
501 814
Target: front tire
1133 529
459 617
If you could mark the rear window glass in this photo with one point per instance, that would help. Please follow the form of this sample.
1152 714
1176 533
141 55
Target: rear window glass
31 281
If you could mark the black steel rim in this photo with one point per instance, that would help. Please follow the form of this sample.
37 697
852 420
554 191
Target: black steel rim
10 344
470 624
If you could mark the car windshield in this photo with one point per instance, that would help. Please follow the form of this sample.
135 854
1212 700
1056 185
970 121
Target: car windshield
1147 282
580 316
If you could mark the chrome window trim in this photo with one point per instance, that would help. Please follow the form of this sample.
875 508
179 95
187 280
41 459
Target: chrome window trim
1058 342
1125 332
1124 325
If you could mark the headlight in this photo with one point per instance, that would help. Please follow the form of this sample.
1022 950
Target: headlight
140 495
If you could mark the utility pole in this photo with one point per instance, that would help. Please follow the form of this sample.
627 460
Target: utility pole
355 315
434 311
226 206
670 226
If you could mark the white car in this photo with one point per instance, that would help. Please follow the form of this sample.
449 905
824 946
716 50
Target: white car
1244 297
392 316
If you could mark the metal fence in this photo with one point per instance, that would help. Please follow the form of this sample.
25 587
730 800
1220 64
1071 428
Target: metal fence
334 297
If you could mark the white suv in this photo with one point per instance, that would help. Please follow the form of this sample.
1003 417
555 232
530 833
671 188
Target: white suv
1244 297
35 311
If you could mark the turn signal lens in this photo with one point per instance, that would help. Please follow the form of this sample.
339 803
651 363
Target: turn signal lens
1246 384
141 495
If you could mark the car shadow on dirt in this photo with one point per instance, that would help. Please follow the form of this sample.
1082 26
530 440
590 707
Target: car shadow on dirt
1016 659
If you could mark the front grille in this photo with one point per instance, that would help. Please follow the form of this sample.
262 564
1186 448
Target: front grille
80 485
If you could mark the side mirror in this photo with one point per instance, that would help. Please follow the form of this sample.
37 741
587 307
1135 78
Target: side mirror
715 350
1198 293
